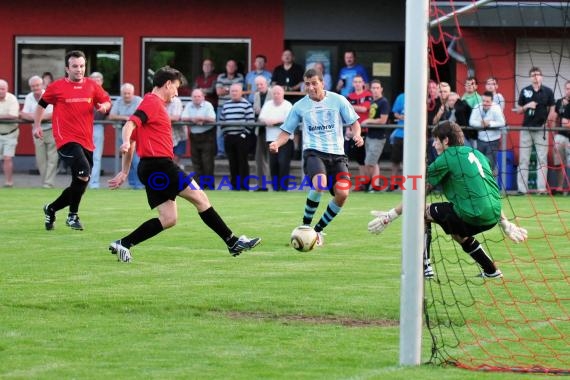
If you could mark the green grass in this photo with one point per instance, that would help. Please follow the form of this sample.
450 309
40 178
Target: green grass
184 308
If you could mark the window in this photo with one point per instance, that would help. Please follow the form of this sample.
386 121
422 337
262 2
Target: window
36 55
552 56
187 54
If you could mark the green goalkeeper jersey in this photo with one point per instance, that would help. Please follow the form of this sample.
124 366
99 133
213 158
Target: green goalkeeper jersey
468 183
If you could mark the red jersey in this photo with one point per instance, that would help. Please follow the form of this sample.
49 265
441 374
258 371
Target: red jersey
73 109
153 132
363 99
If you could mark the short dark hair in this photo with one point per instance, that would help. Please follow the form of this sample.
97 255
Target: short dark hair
47 74
165 74
375 81
73 54
489 94
450 130
313 73
262 57
469 79
534 69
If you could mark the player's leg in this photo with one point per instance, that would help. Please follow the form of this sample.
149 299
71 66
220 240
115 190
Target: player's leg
315 169
443 214
337 168
80 162
167 216
428 269
473 248
80 169
214 221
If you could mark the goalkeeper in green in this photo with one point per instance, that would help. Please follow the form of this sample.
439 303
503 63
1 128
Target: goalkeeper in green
474 200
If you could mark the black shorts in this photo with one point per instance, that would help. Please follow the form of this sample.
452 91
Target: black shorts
163 180
397 152
355 153
444 215
79 159
334 166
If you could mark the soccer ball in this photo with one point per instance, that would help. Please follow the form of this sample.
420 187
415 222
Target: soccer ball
303 238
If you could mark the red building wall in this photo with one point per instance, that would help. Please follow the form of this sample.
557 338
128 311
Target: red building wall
262 21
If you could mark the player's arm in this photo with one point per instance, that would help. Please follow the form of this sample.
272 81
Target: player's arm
279 141
38 117
128 149
355 128
513 232
383 218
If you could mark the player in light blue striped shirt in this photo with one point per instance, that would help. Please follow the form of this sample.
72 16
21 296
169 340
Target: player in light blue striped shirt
323 115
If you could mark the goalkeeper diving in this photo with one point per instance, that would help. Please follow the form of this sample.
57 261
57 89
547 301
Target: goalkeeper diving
474 200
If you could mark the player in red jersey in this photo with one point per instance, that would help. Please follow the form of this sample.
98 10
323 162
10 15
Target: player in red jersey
148 131
74 99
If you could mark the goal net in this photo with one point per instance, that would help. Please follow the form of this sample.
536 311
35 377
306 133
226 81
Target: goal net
521 322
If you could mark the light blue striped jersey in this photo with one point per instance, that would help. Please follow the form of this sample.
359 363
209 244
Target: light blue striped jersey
322 122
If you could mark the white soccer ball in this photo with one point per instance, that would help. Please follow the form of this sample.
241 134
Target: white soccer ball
303 238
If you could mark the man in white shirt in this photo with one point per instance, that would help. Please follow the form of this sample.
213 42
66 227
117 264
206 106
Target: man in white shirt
45 148
202 137
489 117
9 110
272 114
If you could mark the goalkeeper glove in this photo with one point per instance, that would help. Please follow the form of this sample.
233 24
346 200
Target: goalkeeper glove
381 221
515 233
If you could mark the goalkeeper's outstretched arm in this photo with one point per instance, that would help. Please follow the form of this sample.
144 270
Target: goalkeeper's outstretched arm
513 232
383 218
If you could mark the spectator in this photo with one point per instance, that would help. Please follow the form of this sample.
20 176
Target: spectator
360 100
47 78
46 151
344 85
207 82
237 110
262 95
288 75
455 110
258 69
433 103
75 98
561 117
122 109
472 98
98 138
199 111
442 112
489 119
536 101
397 140
179 132
9 109
273 113
320 67
376 138
223 84
492 85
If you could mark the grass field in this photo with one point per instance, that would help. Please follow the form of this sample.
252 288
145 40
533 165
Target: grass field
185 309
